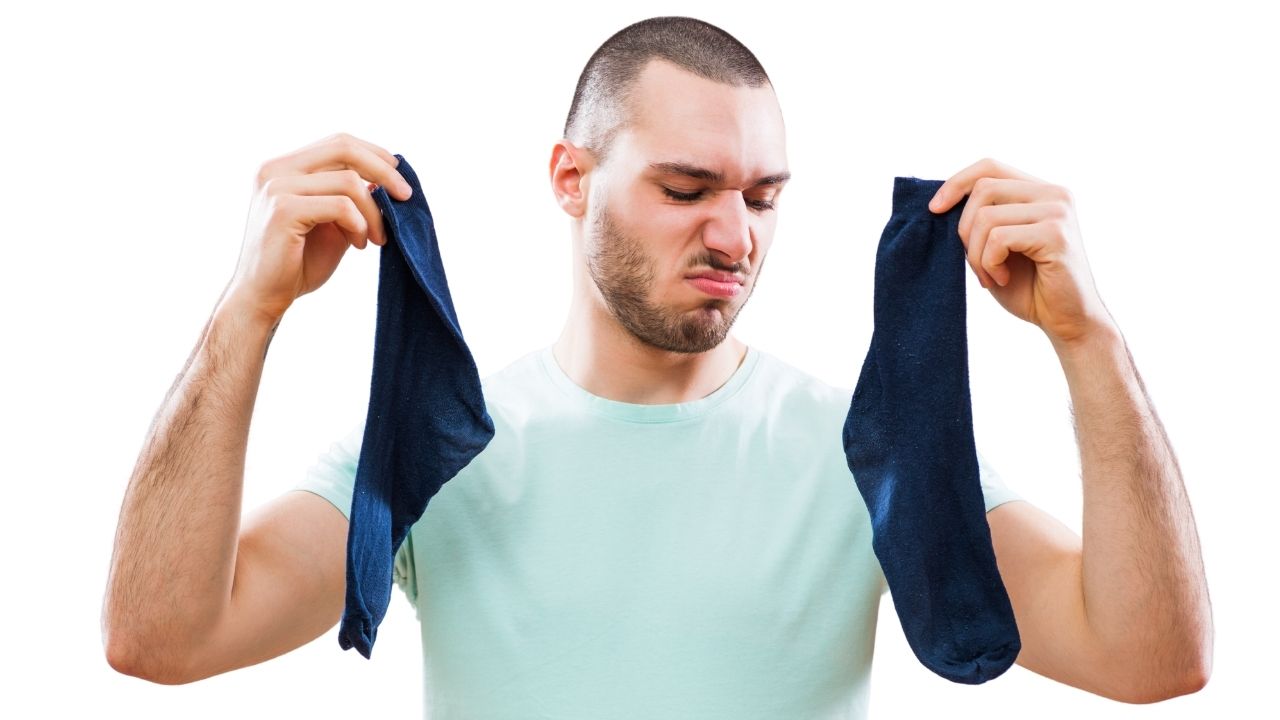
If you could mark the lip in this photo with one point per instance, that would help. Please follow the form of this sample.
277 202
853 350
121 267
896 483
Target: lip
714 287
718 276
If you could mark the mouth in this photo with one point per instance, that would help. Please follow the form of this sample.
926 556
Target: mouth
718 276
714 287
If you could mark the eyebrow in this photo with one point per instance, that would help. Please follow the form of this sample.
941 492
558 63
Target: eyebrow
714 176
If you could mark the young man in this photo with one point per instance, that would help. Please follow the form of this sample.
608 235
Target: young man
664 523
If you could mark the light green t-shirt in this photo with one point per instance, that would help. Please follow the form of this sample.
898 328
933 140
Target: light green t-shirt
599 559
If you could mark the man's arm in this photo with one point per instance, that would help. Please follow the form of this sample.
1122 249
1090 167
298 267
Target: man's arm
188 595
1125 612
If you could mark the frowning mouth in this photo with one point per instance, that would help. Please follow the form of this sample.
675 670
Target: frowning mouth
715 287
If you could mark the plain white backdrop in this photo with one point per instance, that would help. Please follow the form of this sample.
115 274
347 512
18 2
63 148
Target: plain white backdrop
132 134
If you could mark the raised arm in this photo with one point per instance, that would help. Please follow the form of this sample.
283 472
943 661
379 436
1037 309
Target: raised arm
188 594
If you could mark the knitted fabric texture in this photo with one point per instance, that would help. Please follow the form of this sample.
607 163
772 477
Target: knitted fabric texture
909 443
426 418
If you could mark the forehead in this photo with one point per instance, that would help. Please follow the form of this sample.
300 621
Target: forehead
680 116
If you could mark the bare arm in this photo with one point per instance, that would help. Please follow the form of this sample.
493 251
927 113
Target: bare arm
289 588
1123 613
189 595
172 568
1145 594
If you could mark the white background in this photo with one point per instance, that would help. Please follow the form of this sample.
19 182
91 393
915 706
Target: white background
132 134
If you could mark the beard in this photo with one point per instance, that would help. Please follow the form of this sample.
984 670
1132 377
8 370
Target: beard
625 276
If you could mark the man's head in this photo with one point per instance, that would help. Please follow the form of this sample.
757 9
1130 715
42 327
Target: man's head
672 161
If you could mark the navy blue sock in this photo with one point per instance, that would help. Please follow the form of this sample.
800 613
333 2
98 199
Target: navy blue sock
426 417
909 444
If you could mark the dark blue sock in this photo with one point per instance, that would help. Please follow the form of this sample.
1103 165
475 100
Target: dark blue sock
426 417
909 443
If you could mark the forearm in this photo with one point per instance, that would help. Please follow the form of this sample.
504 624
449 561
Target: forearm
1144 588
175 547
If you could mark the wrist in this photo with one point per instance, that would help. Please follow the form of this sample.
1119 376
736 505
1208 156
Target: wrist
1101 337
1092 355
234 310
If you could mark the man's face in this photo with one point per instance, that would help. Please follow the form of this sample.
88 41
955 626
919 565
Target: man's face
642 244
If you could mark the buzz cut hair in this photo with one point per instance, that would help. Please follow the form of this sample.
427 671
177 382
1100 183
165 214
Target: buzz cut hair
603 99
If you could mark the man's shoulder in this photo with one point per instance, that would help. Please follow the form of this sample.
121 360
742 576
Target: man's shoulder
516 371
521 390
792 378
801 415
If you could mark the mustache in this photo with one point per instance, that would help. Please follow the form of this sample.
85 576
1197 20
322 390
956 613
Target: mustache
736 268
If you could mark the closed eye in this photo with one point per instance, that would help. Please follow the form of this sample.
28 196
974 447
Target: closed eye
761 205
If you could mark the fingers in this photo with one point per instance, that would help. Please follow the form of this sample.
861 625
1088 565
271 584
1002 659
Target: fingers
346 183
962 183
997 191
341 152
340 165
311 210
981 260
390 159
353 155
1027 239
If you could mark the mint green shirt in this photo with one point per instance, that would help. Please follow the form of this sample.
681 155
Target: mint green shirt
598 559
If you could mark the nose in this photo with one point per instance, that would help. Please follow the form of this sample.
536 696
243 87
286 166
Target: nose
729 229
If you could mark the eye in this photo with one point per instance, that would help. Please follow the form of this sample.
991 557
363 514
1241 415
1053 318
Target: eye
683 197
761 205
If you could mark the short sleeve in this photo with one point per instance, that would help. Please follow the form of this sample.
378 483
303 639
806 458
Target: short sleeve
994 490
333 477
404 571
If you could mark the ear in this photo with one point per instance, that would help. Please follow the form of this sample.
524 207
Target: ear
570 169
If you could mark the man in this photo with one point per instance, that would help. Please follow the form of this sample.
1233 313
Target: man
663 524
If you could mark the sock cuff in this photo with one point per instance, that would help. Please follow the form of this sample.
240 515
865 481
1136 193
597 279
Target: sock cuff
912 194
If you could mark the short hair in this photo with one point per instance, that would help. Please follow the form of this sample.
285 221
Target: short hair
602 102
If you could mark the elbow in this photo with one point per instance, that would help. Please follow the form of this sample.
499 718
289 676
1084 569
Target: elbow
119 661
1180 665
1164 692
1195 680
132 651
119 651
1198 668
1171 685
128 659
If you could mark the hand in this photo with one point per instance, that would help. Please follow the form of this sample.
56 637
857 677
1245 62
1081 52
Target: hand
1023 242
308 207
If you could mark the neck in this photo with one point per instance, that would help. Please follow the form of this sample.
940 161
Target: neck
610 363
